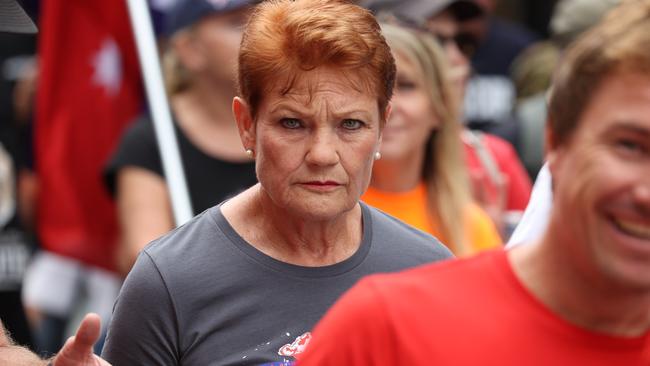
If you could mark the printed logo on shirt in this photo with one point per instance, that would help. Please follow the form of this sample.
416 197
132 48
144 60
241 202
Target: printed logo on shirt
296 347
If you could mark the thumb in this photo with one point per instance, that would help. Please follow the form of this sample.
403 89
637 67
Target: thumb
79 348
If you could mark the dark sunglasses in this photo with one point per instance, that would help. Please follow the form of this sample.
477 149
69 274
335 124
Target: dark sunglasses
466 43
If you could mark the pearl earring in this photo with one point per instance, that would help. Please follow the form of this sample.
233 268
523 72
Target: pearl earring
250 153
377 155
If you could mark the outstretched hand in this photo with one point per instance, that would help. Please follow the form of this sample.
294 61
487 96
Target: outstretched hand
78 349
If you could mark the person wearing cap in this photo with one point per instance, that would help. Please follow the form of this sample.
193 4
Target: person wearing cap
499 181
199 67
421 178
244 282
580 295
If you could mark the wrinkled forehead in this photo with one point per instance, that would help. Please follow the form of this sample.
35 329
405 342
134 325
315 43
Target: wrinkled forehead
335 85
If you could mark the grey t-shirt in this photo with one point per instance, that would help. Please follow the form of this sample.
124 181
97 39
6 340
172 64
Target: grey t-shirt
201 295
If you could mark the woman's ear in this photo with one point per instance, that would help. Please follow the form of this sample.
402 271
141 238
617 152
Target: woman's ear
245 123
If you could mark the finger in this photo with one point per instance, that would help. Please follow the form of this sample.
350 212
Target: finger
80 347
88 333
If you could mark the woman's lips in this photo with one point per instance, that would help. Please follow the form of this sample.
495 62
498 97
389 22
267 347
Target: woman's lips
322 186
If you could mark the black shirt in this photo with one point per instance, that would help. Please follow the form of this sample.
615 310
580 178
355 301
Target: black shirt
209 180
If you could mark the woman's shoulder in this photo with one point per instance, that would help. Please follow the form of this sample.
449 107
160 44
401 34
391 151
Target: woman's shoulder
389 231
480 230
190 239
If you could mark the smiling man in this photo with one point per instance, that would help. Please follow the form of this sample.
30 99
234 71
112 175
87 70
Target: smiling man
578 296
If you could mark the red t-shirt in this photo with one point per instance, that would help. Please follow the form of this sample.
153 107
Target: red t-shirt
461 313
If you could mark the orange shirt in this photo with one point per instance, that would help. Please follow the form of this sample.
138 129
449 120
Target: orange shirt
411 207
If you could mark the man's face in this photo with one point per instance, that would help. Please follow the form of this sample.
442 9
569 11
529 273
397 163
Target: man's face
602 185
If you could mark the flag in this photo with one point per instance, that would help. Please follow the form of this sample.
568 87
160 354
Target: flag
89 90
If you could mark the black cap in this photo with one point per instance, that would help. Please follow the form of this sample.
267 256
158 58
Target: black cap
188 12
14 19
417 12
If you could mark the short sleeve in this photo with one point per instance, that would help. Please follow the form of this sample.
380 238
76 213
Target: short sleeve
144 327
137 148
355 331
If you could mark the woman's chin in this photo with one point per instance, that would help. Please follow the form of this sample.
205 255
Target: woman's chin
319 208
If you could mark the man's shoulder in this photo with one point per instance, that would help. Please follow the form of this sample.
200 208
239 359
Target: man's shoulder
450 279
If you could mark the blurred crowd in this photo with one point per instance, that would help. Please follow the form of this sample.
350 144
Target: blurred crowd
82 183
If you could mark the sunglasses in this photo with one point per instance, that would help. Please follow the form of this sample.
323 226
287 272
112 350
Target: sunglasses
466 43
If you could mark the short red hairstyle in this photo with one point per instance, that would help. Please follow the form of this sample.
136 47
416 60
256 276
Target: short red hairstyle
286 37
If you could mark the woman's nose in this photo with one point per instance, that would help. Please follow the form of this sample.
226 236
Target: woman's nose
323 149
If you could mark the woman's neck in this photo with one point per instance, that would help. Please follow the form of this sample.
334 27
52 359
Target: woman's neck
398 174
212 105
292 238
207 121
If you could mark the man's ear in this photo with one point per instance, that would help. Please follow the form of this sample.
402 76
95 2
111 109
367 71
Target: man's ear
553 150
245 123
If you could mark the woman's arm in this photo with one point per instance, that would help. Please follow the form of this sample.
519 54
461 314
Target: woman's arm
144 329
144 212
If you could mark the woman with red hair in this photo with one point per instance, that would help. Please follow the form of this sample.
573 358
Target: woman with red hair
245 281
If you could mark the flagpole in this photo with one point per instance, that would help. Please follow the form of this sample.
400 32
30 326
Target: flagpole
160 112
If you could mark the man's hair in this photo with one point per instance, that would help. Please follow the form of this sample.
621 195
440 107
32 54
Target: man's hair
285 38
620 43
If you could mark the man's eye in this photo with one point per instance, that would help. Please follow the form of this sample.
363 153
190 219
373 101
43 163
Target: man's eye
352 124
290 123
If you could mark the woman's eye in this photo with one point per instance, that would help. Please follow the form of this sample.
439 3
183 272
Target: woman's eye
629 145
405 85
352 124
290 123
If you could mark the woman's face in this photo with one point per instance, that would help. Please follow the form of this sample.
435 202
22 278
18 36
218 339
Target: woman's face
315 145
216 40
413 118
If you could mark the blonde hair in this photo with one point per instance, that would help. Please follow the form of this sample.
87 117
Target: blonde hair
443 171
176 76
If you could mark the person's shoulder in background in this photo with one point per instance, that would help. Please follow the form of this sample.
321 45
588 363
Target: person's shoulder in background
519 184
137 148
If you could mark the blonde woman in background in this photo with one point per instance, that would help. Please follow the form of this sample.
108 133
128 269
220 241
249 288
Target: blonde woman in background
200 63
421 177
